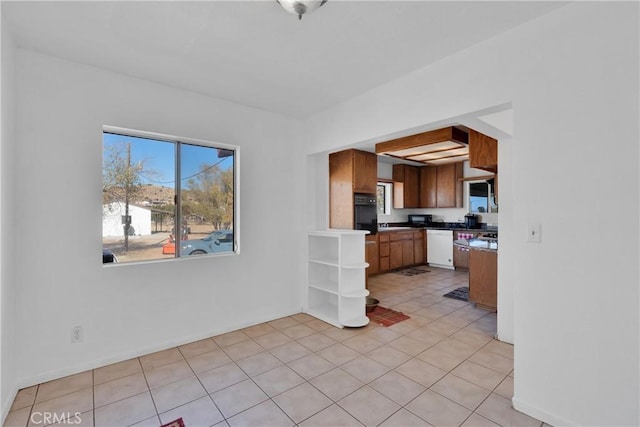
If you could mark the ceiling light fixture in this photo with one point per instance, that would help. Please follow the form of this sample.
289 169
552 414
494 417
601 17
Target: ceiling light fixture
300 7
436 147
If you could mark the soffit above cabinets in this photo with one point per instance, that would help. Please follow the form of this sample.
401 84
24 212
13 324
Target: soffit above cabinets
436 147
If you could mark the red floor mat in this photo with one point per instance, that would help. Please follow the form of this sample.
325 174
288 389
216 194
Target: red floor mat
386 317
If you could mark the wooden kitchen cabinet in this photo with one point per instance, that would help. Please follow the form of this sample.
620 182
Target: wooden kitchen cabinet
449 194
365 172
428 187
483 151
399 249
350 172
395 255
419 246
372 255
441 186
483 278
461 255
383 252
406 186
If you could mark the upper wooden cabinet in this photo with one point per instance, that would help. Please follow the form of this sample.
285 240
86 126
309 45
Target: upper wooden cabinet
441 186
450 186
350 172
406 186
365 172
429 187
483 151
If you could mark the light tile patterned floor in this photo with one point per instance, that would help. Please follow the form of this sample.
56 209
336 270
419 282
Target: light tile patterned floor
442 367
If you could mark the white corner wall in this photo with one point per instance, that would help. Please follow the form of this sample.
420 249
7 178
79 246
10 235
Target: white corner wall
8 290
128 310
572 79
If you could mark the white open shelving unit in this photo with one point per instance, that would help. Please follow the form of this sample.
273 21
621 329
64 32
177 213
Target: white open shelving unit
336 277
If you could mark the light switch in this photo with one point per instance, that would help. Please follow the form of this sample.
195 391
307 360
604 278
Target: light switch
534 233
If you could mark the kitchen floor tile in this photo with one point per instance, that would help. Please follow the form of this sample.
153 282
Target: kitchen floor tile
66 385
421 372
177 393
505 389
333 416
365 369
200 412
499 410
460 391
316 342
290 352
116 370
259 330
492 360
160 358
438 410
125 412
318 325
25 397
222 377
284 322
311 366
238 397
278 380
199 347
243 349
440 358
207 361
119 389
302 317
501 348
409 345
388 356
230 338
272 340
18 418
302 402
339 354
361 343
336 384
264 414
166 374
397 387
476 420
369 406
478 375
456 348
404 418
298 331
78 401
258 363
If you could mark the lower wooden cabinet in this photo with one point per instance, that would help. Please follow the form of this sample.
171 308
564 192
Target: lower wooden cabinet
372 255
461 255
398 249
483 278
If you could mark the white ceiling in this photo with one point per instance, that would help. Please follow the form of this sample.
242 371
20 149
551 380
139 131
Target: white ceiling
254 53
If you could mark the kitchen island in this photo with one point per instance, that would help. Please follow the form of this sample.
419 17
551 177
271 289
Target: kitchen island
483 271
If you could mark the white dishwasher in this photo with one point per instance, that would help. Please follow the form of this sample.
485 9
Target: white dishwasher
440 248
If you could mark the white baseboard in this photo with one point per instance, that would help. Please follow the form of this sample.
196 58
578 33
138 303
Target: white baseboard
533 411
60 373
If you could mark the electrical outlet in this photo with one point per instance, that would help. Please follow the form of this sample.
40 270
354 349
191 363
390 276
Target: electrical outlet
76 334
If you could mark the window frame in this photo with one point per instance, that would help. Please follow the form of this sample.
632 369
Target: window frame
388 195
178 214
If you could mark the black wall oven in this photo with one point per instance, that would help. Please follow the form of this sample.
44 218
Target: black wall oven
366 212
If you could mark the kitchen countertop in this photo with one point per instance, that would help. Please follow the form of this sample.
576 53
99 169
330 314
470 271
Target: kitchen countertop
478 244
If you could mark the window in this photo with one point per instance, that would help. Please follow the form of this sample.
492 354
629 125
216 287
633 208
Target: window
383 193
481 199
143 202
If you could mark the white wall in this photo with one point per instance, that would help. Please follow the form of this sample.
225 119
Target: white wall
572 79
8 289
128 310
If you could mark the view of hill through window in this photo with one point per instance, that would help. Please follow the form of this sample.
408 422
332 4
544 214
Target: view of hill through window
140 204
